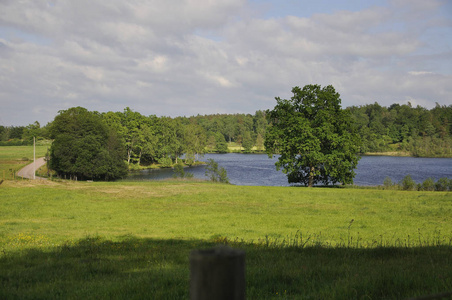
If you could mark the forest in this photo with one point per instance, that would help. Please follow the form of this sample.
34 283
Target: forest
146 140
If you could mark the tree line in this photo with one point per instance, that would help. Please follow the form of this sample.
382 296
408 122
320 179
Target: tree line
416 130
150 139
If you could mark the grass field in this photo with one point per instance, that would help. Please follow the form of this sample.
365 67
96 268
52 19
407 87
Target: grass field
132 240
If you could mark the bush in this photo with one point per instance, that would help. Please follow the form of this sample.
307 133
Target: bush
407 183
165 162
443 184
16 142
387 183
428 185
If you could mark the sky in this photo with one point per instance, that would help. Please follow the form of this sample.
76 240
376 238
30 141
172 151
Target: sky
188 57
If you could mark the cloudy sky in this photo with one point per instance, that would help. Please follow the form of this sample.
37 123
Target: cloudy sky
184 57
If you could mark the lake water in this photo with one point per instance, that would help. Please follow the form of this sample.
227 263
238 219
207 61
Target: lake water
259 170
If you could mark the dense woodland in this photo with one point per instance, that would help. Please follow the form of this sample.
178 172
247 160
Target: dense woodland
150 139
416 130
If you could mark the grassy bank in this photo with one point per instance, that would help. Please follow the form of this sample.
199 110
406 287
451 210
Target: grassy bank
132 240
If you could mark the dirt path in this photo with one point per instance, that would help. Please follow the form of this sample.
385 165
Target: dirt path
27 171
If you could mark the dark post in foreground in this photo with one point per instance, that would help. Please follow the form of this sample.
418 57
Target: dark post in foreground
217 273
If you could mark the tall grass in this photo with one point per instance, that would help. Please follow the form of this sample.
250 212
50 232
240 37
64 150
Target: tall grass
141 268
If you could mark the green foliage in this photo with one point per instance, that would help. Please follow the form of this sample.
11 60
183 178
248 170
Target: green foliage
16 143
221 145
179 172
247 142
397 128
315 138
428 185
387 183
84 147
416 130
216 174
407 183
165 162
443 184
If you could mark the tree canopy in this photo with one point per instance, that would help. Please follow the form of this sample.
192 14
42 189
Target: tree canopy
417 131
314 136
84 147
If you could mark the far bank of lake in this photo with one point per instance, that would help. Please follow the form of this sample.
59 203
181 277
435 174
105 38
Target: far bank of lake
259 170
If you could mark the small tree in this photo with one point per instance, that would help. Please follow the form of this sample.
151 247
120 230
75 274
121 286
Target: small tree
214 173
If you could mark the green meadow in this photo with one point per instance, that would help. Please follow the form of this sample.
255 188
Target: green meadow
132 240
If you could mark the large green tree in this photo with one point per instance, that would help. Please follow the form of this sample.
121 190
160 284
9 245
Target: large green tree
315 137
84 147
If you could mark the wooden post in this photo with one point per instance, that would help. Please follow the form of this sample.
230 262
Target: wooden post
217 273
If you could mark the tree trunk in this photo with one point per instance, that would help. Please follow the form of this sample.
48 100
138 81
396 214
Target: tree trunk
311 177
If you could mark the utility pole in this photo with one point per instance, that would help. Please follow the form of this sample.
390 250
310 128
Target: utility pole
34 157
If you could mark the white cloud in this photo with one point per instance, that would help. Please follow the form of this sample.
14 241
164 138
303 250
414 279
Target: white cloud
420 73
202 56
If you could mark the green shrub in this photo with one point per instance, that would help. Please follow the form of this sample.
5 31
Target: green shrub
428 185
407 183
166 162
443 184
387 183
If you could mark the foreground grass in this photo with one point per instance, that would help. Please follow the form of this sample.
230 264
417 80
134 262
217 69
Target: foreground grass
132 240
135 268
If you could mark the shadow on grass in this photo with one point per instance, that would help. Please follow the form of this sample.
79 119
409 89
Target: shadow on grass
159 269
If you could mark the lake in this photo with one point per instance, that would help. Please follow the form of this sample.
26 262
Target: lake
259 170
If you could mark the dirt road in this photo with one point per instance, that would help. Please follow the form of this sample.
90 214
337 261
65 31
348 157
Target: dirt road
27 171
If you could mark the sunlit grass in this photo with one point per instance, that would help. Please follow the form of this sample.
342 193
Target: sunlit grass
132 240
123 240
196 210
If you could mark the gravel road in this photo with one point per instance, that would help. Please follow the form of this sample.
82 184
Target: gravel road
27 171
